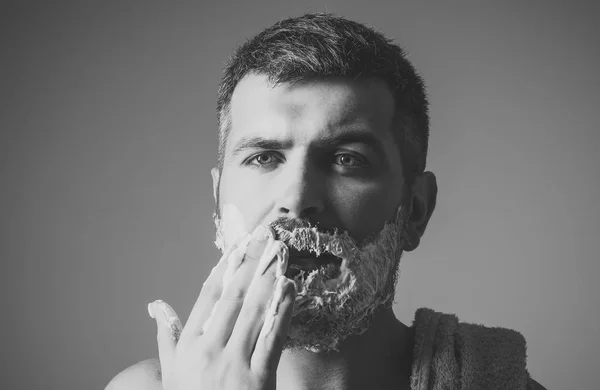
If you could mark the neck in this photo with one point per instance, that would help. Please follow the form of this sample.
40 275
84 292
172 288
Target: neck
379 358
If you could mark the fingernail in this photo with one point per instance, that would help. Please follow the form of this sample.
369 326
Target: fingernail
281 288
233 263
282 263
170 318
270 253
278 297
243 244
235 259
208 320
261 233
151 309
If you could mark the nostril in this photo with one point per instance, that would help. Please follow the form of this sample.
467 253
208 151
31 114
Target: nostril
301 213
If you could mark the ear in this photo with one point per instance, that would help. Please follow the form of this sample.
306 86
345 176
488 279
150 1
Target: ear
216 175
422 203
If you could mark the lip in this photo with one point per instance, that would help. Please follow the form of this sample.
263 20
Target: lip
305 261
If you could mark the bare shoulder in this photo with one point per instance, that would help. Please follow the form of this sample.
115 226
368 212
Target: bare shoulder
144 375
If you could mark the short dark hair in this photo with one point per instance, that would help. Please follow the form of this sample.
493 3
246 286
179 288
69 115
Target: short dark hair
324 45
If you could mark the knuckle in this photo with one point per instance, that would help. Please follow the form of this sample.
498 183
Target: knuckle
255 249
270 279
235 293
207 353
233 365
233 359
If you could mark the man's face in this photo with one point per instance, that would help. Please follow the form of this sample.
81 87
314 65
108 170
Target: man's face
319 153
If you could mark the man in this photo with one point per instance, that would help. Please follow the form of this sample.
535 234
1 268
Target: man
323 133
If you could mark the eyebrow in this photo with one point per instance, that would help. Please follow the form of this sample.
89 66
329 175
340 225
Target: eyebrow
260 143
357 136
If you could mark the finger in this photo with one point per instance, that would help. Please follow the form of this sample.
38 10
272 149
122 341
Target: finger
260 294
168 329
213 288
219 325
210 293
273 334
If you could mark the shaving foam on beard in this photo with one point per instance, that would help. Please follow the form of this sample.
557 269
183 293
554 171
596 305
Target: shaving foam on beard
235 227
234 233
327 311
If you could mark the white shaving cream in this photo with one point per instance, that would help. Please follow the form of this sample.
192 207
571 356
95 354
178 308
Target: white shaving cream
231 227
327 311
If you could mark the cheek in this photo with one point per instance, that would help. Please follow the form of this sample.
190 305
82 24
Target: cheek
245 194
363 209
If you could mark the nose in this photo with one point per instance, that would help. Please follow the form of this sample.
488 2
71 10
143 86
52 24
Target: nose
302 191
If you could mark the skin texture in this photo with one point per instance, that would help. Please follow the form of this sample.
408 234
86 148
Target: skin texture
325 154
315 179
311 172
331 306
235 332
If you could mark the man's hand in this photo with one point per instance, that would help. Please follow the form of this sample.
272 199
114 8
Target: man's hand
236 331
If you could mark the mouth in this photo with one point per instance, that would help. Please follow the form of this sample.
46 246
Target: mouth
302 263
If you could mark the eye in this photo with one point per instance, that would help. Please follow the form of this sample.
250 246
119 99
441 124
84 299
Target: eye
349 160
263 159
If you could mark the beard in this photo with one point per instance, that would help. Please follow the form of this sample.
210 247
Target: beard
338 300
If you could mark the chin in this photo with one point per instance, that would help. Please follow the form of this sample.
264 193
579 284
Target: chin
328 311
339 284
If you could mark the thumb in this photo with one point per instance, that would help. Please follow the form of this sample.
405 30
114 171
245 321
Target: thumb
168 327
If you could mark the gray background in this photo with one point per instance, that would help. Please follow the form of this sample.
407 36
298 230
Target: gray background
108 133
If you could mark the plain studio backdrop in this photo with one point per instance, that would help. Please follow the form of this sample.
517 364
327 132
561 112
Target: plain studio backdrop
108 133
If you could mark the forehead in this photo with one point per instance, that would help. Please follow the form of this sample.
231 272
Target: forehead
310 110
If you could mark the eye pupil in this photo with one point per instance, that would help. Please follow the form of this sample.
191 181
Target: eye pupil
346 160
264 158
